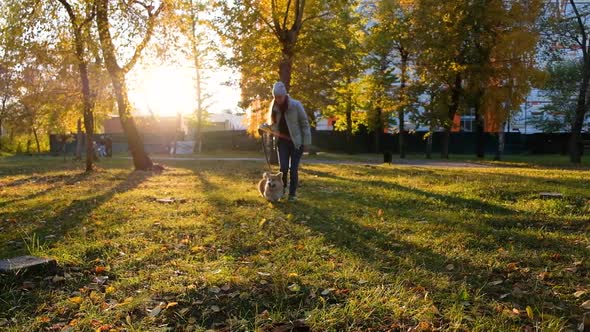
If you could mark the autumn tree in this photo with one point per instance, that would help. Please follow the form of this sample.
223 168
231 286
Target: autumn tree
443 28
561 90
567 35
134 20
80 18
346 55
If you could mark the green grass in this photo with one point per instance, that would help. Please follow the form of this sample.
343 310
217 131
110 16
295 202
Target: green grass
366 248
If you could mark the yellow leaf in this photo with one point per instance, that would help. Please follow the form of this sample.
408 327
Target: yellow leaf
529 312
110 290
586 305
76 299
293 275
171 304
197 248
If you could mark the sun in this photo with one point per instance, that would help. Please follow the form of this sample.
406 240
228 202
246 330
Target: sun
163 91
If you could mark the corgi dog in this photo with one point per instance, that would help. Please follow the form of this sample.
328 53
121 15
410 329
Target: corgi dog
271 186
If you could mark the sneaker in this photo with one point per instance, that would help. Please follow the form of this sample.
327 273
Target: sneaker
292 198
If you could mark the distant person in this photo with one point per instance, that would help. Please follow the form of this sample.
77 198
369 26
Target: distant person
288 122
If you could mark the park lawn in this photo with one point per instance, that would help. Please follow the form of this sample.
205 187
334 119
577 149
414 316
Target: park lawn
366 248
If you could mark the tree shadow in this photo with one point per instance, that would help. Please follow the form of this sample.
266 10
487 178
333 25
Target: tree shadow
73 215
57 181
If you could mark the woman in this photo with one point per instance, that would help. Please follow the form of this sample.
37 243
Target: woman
289 123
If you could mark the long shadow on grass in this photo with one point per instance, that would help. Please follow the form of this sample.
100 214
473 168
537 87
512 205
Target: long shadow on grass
57 181
26 302
72 216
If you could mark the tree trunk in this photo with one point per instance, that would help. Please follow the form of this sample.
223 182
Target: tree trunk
575 141
36 140
85 89
285 69
141 161
401 115
2 113
429 143
79 140
453 107
349 124
378 130
501 142
479 133
197 59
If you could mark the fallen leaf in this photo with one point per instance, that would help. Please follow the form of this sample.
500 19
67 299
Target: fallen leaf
264 274
196 249
110 290
362 282
516 311
293 275
529 312
263 222
512 266
326 291
586 305
579 294
156 311
100 269
225 287
171 304
215 308
450 267
76 299
379 213
497 282
215 289
544 275
294 287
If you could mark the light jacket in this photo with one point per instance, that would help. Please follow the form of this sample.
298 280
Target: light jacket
297 122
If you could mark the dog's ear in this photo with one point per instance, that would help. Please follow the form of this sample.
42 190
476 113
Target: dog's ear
280 174
265 175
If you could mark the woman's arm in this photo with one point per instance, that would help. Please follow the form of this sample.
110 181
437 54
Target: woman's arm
304 125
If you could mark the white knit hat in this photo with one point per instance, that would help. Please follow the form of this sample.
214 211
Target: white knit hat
279 89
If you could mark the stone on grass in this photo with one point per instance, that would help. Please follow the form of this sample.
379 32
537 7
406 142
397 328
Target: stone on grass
549 195
27 263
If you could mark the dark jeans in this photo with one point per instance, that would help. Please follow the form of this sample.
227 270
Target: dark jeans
289 159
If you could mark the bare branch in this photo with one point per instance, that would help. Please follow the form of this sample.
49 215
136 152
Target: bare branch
314 17
299 6
70 11
582 29
275 18
152 17
286 15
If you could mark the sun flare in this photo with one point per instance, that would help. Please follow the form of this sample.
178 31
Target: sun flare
163 91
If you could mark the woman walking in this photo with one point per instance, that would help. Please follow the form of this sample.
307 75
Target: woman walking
289 123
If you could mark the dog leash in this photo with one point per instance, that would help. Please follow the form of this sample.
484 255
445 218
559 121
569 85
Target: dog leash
266 153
